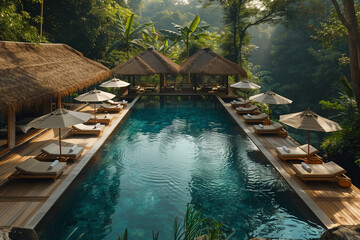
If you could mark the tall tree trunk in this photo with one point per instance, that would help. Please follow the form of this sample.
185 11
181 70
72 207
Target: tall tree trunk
350 22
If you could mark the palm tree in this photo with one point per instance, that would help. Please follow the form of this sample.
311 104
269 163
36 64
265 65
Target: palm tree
187 33
128 35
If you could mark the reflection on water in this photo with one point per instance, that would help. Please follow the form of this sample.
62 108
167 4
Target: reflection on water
175 150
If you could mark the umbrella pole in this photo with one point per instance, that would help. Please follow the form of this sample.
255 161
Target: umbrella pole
60 143
308 144
95 111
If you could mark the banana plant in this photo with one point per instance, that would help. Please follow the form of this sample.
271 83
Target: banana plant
156 41
187 33
128 35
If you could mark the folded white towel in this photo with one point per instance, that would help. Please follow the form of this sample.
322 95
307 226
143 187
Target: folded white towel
107 116
261 126
52 165
306 167
249 115
286 149
97 125
73 148
124 101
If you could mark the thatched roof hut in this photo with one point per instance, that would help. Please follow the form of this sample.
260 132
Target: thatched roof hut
206 62
134 67
158 62
31 73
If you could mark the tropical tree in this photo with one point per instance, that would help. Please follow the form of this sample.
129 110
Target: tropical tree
187 33
128 35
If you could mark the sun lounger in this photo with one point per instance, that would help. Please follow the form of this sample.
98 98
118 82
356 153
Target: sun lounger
32 168
52 151
87 129
253 109
242 103
260 118
123 102
110 108
299 153
276 128
329 171
105 119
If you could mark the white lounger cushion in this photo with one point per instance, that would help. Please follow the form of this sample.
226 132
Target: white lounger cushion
255 117
32 166
82 126
104 105
269 128
326 170
108 116
54 149
251 108
296 151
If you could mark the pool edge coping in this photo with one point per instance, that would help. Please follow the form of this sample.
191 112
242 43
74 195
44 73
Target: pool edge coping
60 190
318 212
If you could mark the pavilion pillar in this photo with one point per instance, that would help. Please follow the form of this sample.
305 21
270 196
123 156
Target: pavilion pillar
162 76
11 129
226 79
59 101
194 80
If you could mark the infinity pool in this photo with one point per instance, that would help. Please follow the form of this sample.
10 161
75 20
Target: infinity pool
172 151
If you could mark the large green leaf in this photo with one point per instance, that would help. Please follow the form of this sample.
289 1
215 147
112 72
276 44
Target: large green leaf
120 44
129 24
121 25
140 29
348 89
194 23
170 34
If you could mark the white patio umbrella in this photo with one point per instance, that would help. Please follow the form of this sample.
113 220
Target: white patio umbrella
245 85
58 119
95 96
270 97
114 83
308 120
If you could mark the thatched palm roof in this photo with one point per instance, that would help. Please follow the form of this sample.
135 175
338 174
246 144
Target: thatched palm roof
159 62
135 66
31 73
206 62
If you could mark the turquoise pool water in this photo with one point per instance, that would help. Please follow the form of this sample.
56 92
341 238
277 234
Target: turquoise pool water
177 150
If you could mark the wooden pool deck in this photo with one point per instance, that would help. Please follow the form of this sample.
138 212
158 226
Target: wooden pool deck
332 205
25 203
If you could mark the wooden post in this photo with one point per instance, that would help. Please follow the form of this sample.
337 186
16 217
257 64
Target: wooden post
226 85
60 143
11 129
162 82
59 101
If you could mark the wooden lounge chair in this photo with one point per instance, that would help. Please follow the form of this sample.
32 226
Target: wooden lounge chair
299 153
52 151
110 108
242 103
329 171
87 129
260 118
253 109
276 128
105 119
32 168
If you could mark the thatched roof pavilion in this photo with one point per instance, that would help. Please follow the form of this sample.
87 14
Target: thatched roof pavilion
158 62
134 67
34 73
31 73
206 62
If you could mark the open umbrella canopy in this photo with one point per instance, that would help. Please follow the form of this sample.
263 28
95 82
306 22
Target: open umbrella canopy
59 118
308 120
245 85
114 83
95 96
270 97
